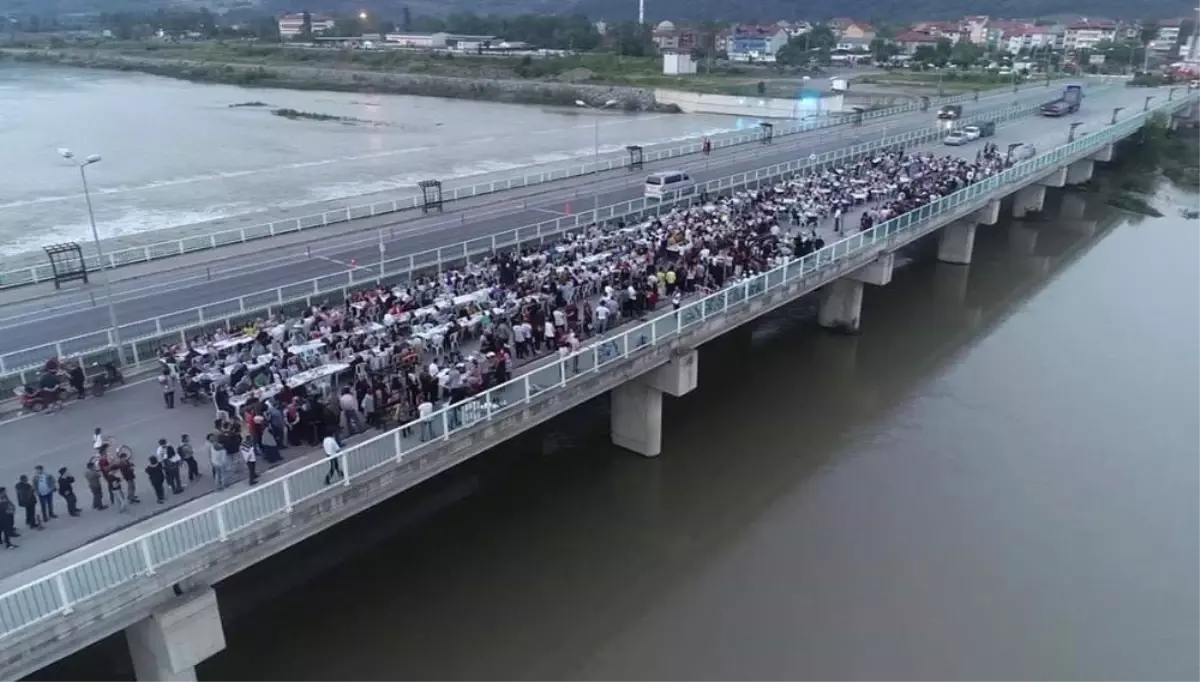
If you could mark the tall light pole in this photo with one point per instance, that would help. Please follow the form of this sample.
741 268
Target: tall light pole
595 122
1116 110
1071 135
112 312
1146 106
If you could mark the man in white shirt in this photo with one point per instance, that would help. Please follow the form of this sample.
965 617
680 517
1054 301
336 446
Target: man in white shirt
332 448
602 314
425 412
349 406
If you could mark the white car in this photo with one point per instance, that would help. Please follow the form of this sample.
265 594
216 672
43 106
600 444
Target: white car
956 138
972 133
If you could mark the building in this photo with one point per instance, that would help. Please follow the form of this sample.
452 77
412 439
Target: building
1167 38
847 44
950 30
442 41
756 43
292 25
909 41
1028 40
858 30
678 64
1084 35
976 29
668 37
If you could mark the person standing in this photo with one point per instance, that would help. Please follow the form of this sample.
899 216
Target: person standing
27 500
167 382
350 411
43 485
219 459
332 448
8 520
171 462
95 483
125 467
251 459
188 454
157 476
66 488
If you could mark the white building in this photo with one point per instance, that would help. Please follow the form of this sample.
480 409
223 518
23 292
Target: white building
292 25
1167 38
1085 35
1029 41
678 64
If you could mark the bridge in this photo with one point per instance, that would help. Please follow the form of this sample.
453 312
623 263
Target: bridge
153 579
314 266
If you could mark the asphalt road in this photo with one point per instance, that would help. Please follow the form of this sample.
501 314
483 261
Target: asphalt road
136 417
30 324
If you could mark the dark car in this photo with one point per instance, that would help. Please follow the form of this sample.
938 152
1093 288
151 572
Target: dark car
986 128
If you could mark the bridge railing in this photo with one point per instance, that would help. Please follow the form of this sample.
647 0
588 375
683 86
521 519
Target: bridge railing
62 591
607 162
141 340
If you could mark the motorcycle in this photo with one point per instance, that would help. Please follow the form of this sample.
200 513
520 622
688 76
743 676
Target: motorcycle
33 400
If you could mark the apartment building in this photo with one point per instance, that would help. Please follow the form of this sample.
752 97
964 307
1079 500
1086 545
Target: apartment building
1084 35
292 25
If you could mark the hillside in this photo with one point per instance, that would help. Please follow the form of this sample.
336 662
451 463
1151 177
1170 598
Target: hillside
895 10
656 10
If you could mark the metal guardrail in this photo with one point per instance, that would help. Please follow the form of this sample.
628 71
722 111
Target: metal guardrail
63 590
177 247
141 340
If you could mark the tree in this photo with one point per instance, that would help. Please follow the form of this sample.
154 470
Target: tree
882 50
942 51
1149 31
794 53
306 31
925 54
821 37
965 54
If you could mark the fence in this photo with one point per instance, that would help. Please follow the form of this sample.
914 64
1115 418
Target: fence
141 340
177 247
61 591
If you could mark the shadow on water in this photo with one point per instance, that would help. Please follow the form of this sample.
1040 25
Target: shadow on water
524 562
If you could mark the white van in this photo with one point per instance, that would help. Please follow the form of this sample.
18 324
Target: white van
669 185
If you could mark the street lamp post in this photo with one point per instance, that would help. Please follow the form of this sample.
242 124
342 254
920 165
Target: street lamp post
1116 110
1171 94
595 122
1071 135
112 312
1146 106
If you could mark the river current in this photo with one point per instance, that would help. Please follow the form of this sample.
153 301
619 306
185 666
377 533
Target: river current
176 153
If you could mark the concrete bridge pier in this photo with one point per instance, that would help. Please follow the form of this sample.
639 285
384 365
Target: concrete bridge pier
950 283
636 420
1104 154
841 302
957 242
1081 171
167 645
1029 198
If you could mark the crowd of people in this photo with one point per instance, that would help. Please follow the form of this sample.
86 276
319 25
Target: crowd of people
394 355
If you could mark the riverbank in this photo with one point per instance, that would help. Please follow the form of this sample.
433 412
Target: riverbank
1155 156
341 79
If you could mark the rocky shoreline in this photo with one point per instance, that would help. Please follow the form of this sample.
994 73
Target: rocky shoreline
346 80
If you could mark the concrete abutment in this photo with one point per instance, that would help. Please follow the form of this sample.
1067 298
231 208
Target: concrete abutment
1027 199
1081 171
168 644
636 414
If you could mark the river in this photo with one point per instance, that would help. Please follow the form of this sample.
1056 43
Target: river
176 153
998 479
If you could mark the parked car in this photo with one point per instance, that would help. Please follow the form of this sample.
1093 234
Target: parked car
987 128
956 138
972 132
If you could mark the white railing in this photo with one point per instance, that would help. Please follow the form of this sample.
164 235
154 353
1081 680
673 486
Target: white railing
202 242
141 340
62 591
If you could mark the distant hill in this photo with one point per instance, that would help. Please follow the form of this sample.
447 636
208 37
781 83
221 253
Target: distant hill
656 10
893 10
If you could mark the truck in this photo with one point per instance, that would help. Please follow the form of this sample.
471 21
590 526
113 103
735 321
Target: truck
949 112
1067 103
